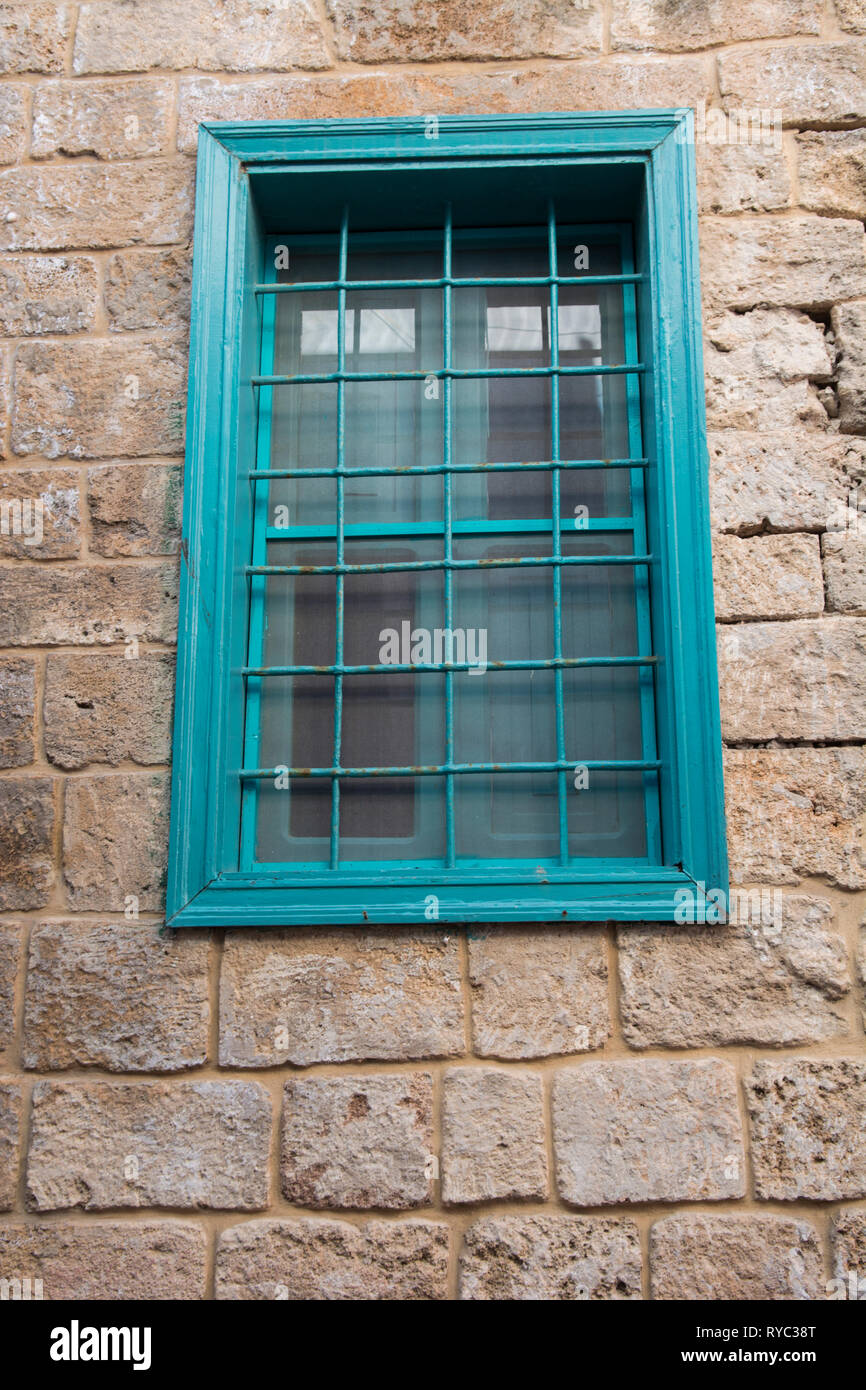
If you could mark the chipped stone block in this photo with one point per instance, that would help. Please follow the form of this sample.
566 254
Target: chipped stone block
550 1258
695 1257
332 1261
808 1124
358 1141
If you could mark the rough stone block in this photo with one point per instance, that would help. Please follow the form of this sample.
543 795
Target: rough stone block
437 30
11 936
796 262
808 83
47 294
794 681
767 577
332 1261
550 1258
11 1112
492 1136
123 1260
234 36
844 555
135 509
99 400
849 325
358 1141
40 514
33 37
116 996
795 812
658 26
63 206
538 991
696 1257
17 711
648 1131
792 480
742 178
26 842
761 369
14 123
112 120
115 842
200 1144
831 168
148 289
851 15
305 996
848 1243
107 709
85 605
808 1124
770 978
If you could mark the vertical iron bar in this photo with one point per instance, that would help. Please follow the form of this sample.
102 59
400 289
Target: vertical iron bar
258 585
341 520
555 475
643 612
447 406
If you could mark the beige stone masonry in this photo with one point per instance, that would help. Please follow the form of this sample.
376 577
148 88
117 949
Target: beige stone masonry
432 1112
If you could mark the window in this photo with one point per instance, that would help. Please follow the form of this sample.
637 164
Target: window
446 643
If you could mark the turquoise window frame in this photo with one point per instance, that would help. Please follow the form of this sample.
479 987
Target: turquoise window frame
636 168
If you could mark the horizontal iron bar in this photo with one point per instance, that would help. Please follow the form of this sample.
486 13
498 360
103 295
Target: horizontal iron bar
472 526
442 769
421 470
316 286
397 566
553 664
456 373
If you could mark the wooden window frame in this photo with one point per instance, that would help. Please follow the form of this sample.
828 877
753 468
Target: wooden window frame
244 171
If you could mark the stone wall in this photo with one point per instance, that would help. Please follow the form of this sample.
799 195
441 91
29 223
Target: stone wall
616 1113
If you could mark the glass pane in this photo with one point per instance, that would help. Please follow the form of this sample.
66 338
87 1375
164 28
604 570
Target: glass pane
510 716
397 718
388 719
388 424
508 420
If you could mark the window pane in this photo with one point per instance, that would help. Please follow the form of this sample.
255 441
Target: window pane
508 420
510 716
388 719
397 718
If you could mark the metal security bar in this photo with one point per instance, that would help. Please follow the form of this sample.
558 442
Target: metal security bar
449 282
258 572
341 537
561 663
444 373
449 769
505 562
447 504
422 470
556 524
